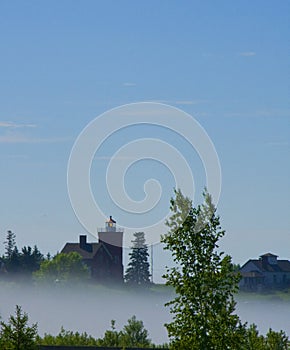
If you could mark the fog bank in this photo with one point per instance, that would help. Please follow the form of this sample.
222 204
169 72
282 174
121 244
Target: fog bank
92 309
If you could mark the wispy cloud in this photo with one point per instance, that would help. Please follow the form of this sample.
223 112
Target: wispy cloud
128 84
115 158
270 113
5 124
184 102
13 132
27 139
14 156
181 102
247 54
190 102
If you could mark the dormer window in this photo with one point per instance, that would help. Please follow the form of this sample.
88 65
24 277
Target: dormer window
269 258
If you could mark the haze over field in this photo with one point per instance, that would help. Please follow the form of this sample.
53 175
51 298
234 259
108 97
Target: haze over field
91 310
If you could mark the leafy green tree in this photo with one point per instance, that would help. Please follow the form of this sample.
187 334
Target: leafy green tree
236 267
253 340
276 340
137 273
67 338
134 334
272 341
63 269
180 208
16 334
203 278
111 337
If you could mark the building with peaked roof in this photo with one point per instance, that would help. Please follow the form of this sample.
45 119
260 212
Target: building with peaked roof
266 272
105 257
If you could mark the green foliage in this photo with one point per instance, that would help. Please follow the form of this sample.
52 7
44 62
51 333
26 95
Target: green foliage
236 267
180 207
22 263
16 334
13 262
111 337
276 340
254 341
63 269
137 273
30 259
203 279
10 244
11 258
134 334
272 341
68 338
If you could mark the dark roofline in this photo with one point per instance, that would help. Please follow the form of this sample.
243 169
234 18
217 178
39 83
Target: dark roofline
268 255
281 266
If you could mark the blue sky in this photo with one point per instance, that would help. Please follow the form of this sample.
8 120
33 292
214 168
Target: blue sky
226 63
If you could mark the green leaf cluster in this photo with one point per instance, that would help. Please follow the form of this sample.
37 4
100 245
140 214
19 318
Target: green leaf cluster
68 338
63 269
132 335
271 341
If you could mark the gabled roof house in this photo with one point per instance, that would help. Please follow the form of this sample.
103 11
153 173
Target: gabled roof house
266 272
104 258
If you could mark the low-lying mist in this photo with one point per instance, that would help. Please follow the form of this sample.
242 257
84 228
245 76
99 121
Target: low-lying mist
91 309
87 309
271 313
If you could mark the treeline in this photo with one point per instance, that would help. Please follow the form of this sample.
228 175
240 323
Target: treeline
20 264
29 264
19 335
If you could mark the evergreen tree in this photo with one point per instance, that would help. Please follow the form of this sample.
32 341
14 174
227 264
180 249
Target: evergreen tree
137 272
13 263
16 334
30 259
204 281
12 256
22 262
10 244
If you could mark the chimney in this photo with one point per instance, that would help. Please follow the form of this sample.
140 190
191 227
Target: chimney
84 245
